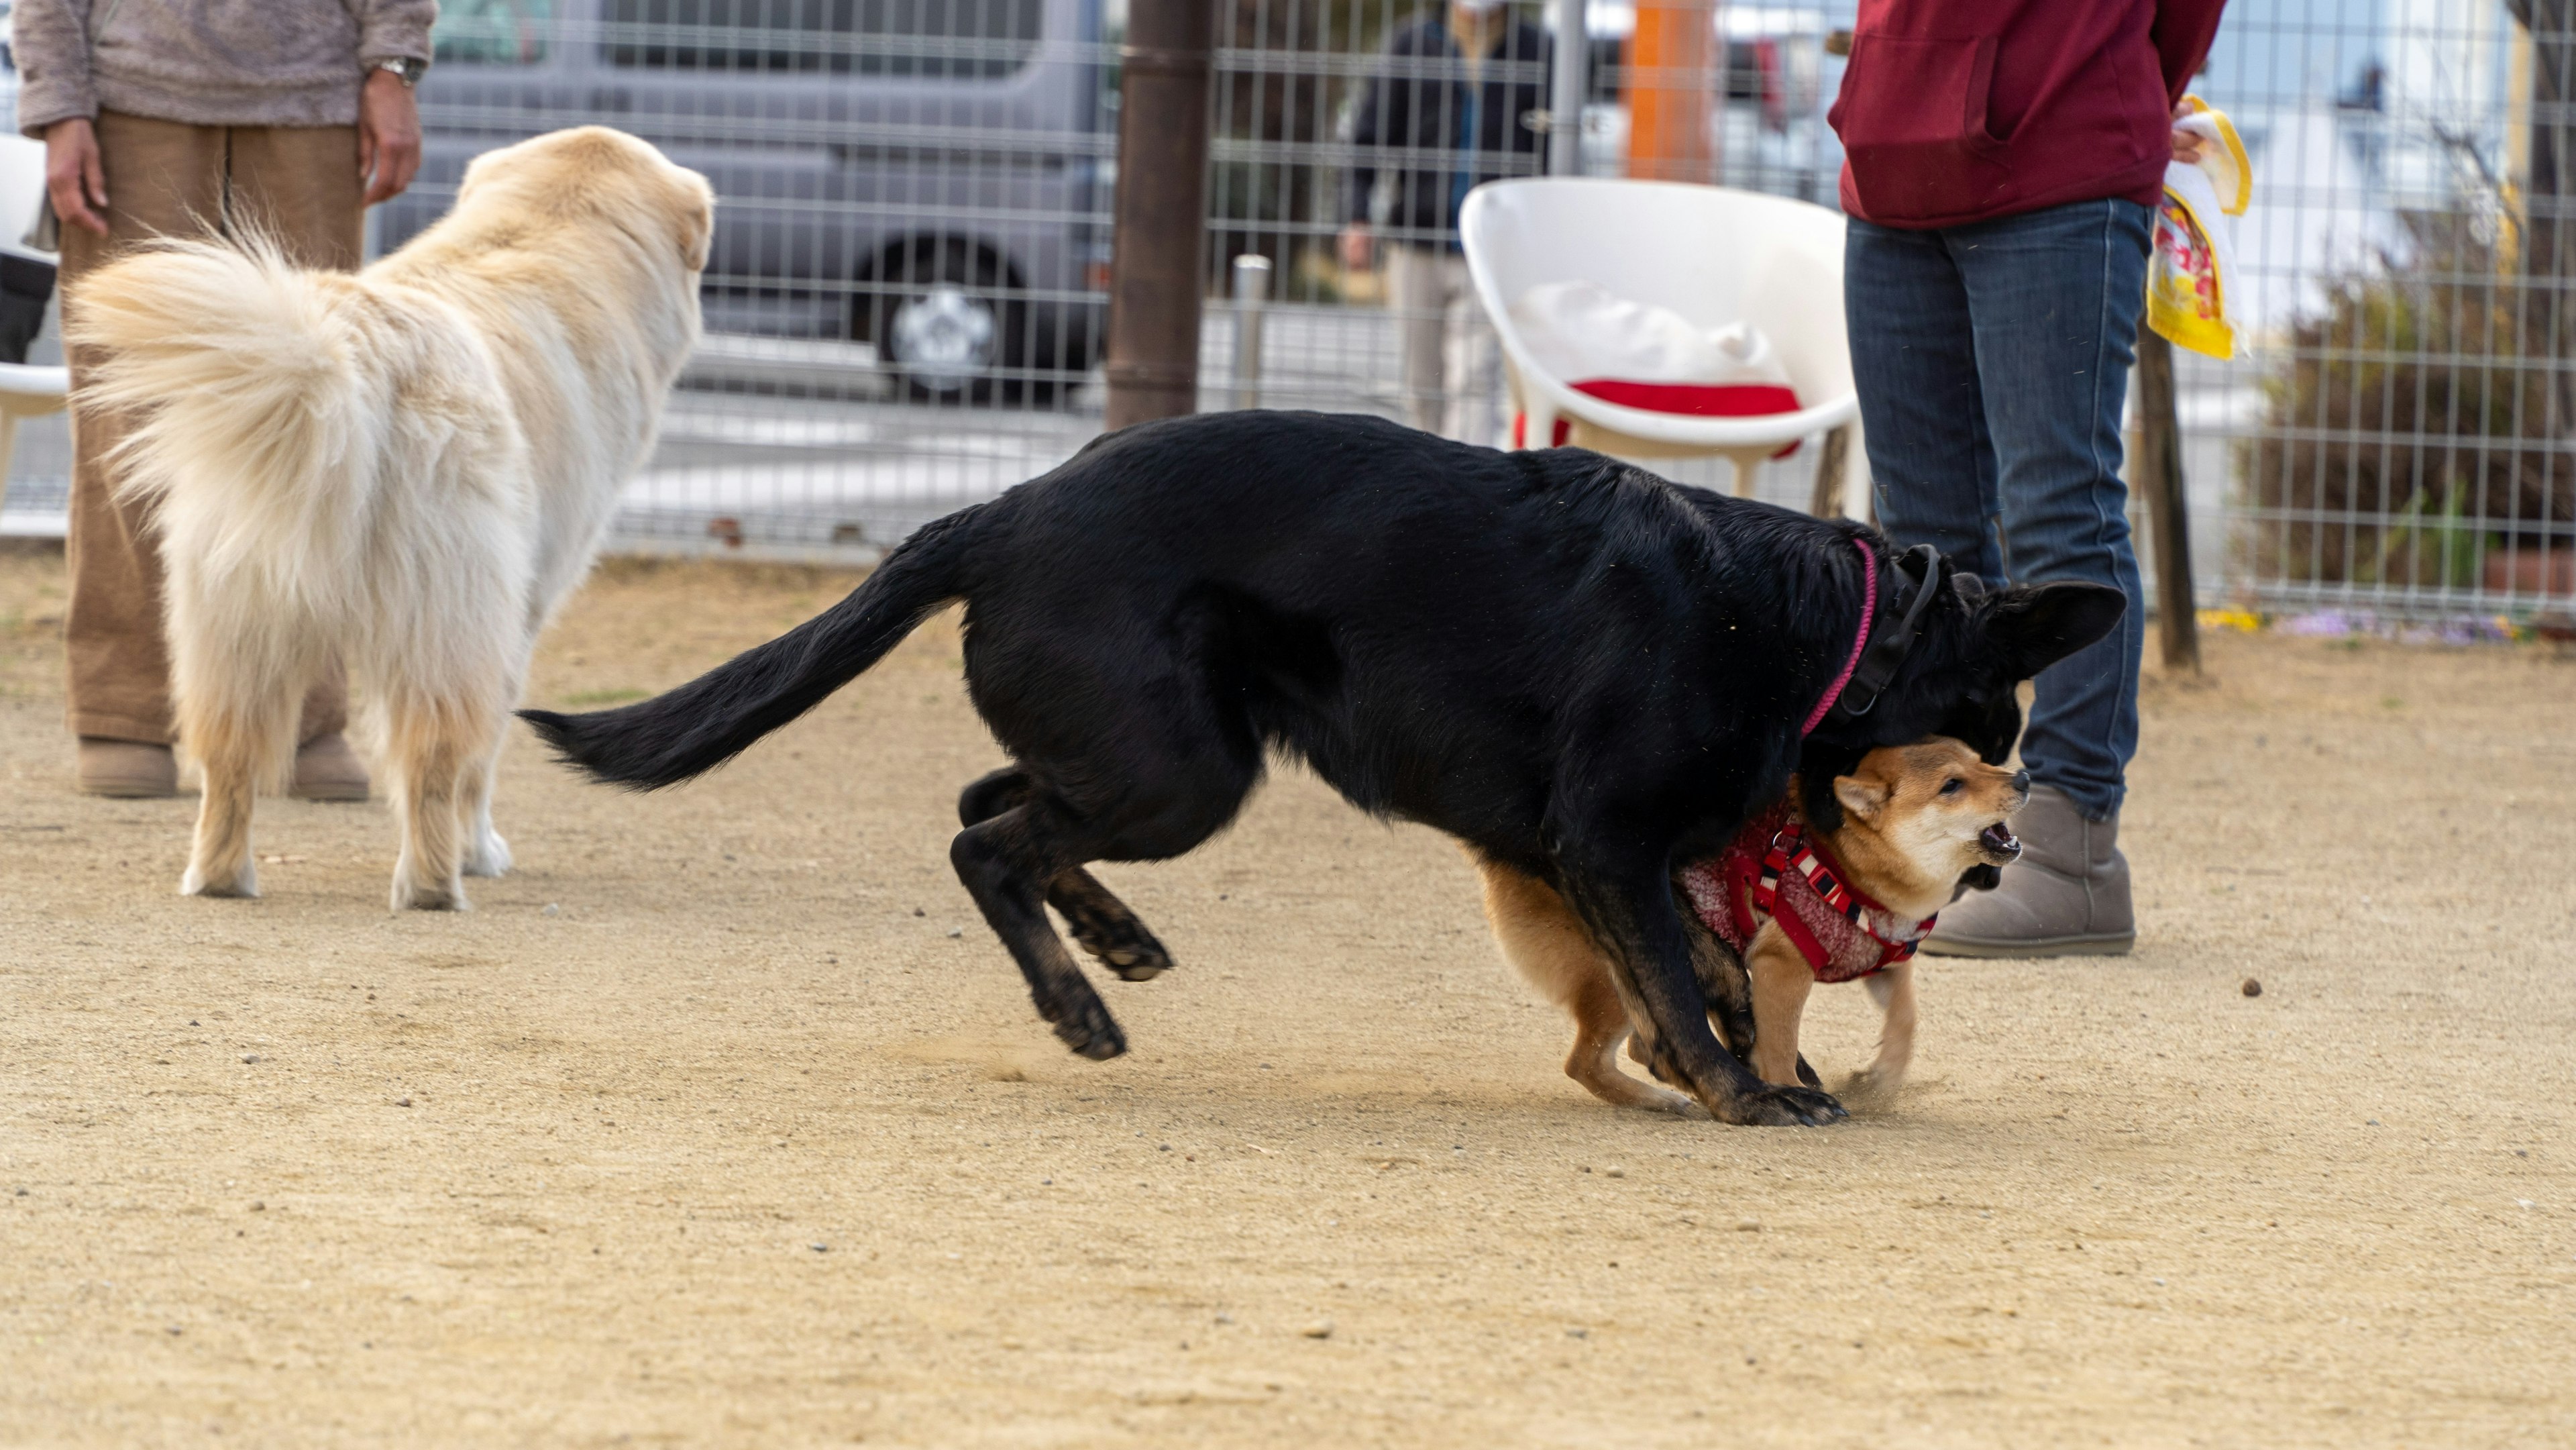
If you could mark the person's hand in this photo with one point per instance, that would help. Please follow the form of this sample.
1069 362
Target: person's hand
1358 247
73 176
2187 145
388 136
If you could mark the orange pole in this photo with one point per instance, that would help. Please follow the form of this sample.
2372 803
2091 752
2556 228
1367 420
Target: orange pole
1672 80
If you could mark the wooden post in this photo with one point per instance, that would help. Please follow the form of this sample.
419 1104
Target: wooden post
2159 476
1161 226
1832 460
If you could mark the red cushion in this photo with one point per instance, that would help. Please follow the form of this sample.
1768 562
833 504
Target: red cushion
1697 400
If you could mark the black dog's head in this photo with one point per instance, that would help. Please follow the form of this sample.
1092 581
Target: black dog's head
1960 675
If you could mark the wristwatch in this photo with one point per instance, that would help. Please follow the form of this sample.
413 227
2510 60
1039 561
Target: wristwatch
407 69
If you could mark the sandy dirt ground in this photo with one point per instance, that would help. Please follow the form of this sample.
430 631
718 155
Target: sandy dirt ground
725 1122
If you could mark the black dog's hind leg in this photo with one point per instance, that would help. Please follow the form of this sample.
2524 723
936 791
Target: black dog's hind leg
1101 923
1167 804
1002 861
1631 914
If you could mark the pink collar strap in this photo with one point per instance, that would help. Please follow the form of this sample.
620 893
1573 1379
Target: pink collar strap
1868 610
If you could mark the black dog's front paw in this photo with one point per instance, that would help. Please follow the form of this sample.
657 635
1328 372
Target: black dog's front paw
1774 1106
1092 1032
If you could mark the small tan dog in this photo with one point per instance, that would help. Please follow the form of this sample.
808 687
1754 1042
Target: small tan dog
1799 907
408 467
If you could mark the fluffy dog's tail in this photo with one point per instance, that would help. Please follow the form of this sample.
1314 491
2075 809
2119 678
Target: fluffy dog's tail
708 721
250 425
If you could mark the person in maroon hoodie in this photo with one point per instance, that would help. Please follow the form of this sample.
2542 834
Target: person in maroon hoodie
2004 160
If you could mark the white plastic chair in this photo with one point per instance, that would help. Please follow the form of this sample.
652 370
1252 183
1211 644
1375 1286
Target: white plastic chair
27 390
1712 254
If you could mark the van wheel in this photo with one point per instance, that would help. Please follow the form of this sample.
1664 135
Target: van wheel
943 319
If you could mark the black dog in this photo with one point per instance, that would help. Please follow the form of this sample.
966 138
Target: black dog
1579 669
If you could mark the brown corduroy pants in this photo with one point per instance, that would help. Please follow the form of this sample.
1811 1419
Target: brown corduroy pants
301 185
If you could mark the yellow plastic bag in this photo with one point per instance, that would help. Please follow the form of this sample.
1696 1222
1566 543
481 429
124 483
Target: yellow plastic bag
2192 271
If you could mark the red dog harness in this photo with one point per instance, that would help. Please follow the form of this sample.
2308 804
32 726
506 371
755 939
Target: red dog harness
1772 872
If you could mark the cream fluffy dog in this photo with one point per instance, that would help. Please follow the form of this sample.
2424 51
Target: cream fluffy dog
409 466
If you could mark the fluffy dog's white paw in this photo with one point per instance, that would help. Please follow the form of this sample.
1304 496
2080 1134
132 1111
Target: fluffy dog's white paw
198 882
424 896
488 856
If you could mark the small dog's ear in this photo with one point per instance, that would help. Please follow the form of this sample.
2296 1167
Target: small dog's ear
1862 798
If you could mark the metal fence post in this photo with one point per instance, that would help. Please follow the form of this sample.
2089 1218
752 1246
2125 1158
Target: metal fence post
1568 88
1153 365
1251 292
2159 475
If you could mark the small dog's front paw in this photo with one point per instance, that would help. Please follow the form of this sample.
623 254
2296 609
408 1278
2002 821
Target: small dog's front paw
1871 1088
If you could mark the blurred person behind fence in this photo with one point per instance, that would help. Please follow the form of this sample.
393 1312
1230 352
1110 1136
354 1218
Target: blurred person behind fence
184 118
1455 102
2004 159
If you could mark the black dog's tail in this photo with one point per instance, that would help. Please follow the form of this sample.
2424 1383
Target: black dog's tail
708 721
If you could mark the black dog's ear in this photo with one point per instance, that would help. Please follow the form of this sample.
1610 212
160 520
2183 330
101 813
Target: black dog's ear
2036 625
1818 764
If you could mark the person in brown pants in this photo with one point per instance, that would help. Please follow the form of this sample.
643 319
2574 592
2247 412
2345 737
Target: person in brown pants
189 118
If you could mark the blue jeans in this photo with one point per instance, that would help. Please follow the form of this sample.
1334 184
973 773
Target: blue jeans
1992 362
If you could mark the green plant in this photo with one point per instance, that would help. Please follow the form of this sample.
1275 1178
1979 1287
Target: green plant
2411 426
2448 551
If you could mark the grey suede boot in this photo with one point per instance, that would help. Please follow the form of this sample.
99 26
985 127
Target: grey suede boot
2067 896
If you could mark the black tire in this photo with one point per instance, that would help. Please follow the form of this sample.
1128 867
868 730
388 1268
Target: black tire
950 322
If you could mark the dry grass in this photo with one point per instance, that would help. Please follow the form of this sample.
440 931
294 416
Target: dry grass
704 1129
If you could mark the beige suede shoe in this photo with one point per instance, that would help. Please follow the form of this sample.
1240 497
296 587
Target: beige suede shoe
2068 895
326 769
125 769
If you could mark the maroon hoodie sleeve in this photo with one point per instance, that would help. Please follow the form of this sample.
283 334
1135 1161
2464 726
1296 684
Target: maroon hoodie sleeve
2183 30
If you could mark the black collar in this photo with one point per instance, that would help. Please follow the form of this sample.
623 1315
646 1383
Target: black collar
1891 636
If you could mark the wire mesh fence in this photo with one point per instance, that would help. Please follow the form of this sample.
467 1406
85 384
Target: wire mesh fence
907 302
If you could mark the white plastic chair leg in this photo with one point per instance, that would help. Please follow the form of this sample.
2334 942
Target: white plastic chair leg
1746 464
1538 427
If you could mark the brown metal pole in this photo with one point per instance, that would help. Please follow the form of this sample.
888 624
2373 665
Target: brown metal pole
1153 366
2159 474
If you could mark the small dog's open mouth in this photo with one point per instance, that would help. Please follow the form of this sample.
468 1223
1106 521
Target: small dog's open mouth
2000 842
